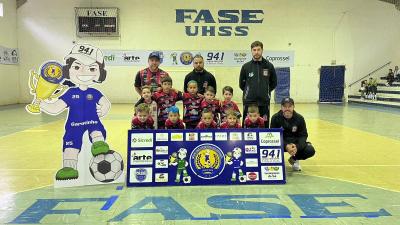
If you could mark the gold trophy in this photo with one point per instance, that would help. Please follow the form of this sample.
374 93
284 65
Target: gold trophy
46 85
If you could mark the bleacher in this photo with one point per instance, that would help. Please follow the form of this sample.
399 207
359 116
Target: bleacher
388 96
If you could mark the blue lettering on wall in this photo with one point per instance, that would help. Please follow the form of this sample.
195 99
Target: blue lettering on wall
231 21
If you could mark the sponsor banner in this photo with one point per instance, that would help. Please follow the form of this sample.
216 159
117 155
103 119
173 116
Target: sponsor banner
9 55
142 140
205 157
141 175
270 155
142 157
271 173
212 58
270 139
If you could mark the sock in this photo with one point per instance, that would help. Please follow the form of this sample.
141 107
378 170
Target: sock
70 163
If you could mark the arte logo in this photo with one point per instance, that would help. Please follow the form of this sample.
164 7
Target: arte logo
141 140
226 22
130 58
142 157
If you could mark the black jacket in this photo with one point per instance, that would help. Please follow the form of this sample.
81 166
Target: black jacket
257 80
294 129
204 79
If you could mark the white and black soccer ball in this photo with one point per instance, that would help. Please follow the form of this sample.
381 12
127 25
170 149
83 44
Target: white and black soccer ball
106 167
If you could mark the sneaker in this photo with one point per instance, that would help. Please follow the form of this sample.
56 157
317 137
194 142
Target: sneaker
295 164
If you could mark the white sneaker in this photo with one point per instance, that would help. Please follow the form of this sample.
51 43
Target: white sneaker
295 164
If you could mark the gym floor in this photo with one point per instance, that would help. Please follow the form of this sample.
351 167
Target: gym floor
353 177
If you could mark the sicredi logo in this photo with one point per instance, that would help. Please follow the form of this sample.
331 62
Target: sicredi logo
225 22
221 136
141 175
141 140
142 157
251 162
176 136
161 164
270 138
161 150
250 149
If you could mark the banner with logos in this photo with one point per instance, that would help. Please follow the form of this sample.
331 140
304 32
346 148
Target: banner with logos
205 157
9 55
185 58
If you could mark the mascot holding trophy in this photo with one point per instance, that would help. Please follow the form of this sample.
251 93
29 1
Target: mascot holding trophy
86 105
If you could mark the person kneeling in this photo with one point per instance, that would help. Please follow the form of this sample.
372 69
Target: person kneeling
294 133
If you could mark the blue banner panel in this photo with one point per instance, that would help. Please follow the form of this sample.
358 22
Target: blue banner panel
205 157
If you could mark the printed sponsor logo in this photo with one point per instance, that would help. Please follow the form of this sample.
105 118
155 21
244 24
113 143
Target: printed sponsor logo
161 150
221 136
250 136
271 173
235 136
270 139
250 149
141 175
252 176
142 157
251 162
161 136
161 177
141 140
206 136
270 155
176 136
192 136
161 163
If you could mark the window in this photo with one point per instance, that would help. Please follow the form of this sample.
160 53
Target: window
1 9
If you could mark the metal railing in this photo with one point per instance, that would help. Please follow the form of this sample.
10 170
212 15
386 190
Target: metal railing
369 74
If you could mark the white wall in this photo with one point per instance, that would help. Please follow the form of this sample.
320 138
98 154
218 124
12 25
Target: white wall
363 38
9 74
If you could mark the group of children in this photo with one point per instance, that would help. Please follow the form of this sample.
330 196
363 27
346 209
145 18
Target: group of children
158 111
369 88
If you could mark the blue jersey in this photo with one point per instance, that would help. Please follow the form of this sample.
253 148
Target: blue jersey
236 163
82 116
82 106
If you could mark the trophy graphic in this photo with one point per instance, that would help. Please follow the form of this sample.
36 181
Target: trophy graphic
46 85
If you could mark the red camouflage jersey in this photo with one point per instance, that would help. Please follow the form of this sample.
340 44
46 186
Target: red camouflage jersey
258 124
164 101
226 125
202 125
191 107
225 106
213 106
178 125
137 124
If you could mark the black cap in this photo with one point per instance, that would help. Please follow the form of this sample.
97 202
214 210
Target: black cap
155 55
287 100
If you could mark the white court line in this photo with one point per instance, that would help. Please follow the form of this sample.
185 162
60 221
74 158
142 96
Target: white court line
27 169
33 131
331 178
362 165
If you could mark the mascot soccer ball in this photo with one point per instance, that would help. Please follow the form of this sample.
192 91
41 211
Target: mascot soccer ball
106 167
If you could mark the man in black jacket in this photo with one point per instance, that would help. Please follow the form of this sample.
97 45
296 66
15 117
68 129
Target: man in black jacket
200 75
294 133
257 80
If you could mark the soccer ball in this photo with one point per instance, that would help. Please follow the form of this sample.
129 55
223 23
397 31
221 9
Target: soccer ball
242 179
187 180
106 167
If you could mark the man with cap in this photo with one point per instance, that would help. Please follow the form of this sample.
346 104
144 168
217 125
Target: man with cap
151 75
294 133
